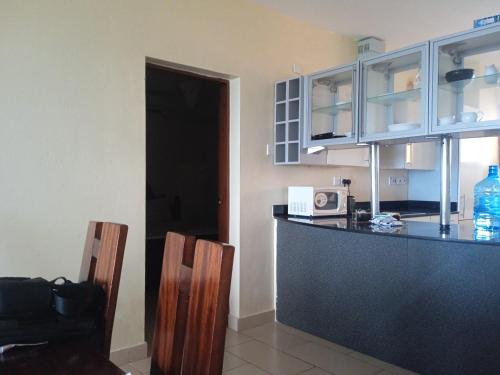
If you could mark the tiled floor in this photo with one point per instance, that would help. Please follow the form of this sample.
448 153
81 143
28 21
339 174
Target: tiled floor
277 349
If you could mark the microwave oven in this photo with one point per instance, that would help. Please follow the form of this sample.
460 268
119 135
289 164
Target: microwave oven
315 201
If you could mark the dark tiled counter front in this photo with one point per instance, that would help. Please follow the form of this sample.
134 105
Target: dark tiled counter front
463 232
425 303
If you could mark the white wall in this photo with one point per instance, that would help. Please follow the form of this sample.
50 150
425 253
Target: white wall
72 129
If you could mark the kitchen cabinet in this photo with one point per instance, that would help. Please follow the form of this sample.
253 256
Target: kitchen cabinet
467 100
353 157
394 91
411 156
331 107
288 125
426 304
288 115
407 96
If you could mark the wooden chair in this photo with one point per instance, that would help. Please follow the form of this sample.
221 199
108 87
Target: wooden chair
193 305
102 264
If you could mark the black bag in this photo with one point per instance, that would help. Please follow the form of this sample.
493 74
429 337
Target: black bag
36 310
76 299
25 298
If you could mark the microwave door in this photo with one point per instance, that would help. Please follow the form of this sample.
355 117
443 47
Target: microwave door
326 201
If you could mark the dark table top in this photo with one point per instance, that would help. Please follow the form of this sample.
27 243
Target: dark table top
56 359
462 232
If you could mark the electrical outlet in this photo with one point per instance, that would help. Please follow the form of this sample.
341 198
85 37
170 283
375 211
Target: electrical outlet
337 181
392 180
401 180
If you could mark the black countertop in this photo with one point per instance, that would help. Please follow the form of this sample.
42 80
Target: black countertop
406 209
462 232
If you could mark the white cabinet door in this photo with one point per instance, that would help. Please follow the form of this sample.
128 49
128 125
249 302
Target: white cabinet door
420 155
355 157
392 156
408 156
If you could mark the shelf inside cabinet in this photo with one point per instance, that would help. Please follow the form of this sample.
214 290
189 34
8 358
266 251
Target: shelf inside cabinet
400 96
477 83
334 109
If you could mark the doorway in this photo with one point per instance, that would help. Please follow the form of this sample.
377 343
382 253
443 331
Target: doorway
187 165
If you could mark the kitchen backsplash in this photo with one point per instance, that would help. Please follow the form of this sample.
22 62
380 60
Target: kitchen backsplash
360 177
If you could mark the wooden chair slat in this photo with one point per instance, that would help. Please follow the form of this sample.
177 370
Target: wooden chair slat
193 305
173 299
208 308
102 264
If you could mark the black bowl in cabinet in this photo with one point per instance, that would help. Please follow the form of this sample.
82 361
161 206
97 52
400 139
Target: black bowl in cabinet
459 75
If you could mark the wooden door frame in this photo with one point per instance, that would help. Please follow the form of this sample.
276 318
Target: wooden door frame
223 145
223 160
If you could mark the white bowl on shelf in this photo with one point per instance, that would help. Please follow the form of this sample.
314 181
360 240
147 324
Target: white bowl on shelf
446 120
404 126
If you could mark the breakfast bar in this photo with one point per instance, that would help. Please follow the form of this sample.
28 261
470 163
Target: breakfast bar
412 296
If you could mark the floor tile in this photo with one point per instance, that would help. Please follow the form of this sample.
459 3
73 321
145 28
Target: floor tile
268 358
374 361
231 361
393 369
397 372
316 371
119 357
311 338
247 369
144 365
130 370
272 335
235 338
332 360
402 371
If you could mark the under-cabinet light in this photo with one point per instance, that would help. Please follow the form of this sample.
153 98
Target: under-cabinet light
408 153
314 149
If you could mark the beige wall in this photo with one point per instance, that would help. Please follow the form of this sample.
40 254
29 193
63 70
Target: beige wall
73 126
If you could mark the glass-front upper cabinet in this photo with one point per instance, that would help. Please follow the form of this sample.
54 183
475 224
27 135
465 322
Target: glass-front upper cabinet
331 107
394 94
287 121
466 81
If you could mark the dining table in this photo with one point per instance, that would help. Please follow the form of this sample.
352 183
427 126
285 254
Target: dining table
63 358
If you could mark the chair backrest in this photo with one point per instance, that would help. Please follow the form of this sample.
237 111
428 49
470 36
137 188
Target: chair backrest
172 306
193 305
102 264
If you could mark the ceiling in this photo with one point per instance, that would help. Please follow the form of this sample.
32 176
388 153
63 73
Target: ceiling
399 22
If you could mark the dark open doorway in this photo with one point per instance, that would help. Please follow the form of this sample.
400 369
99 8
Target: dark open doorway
187 165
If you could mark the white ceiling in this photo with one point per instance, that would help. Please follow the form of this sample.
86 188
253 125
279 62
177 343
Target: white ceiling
399 22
